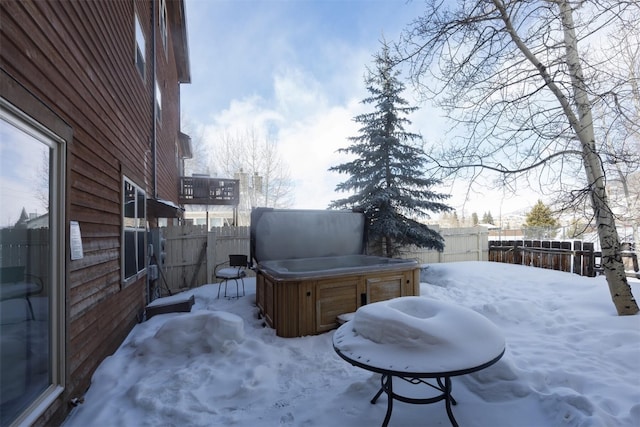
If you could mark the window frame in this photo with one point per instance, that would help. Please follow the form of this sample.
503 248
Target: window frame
140 47
57 269
158 99
137 225
162 23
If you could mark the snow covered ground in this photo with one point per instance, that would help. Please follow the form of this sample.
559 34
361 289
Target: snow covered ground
570 361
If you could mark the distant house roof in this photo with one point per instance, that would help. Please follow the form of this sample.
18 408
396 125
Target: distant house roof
41 221
488 226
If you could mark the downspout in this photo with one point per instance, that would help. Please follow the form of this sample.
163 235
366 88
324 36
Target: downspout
154 144
154 134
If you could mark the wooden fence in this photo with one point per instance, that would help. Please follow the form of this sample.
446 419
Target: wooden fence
577 256
192 253
185 250
461 244
28 248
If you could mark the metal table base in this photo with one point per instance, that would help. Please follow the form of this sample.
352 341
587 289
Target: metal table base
443 385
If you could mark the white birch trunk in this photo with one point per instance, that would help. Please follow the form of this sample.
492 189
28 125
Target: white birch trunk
609 241
582 124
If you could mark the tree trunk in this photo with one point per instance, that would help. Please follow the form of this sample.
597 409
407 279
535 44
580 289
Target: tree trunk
609 241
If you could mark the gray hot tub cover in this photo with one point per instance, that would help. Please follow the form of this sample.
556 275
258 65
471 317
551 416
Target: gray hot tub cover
278 234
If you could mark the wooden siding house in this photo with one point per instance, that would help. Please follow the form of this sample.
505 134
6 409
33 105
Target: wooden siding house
90 105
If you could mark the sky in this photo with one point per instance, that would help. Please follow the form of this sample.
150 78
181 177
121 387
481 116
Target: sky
570 360
23 160
294 70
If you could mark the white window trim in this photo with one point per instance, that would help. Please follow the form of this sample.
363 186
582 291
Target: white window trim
141 227
58 258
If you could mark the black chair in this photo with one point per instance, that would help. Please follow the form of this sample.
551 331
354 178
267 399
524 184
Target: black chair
236 269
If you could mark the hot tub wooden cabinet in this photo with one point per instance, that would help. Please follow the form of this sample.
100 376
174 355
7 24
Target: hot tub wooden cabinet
311 268
296 308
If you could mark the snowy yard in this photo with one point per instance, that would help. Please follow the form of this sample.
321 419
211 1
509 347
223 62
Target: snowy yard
570 361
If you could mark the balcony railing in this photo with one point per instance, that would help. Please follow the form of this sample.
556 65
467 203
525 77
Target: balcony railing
209 191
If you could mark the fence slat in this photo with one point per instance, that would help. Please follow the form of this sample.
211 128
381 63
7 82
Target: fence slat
556 255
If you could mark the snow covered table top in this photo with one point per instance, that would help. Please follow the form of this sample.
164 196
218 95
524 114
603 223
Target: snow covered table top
419 337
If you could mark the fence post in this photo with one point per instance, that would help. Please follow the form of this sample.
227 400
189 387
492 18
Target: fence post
556 256
545 257
588 260
577 257
565 258
517 254
211 256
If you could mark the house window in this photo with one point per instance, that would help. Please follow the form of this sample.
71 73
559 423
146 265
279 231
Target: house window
32 266
133 232
140 47
158 102
163 23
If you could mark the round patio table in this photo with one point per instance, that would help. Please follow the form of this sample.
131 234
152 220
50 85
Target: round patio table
417 339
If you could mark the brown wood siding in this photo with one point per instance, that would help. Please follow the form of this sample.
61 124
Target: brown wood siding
78 59
169 127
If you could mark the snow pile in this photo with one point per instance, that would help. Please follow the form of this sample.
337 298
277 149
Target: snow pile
192 335
570 361
410 322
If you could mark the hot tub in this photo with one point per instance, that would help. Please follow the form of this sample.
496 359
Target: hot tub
311 267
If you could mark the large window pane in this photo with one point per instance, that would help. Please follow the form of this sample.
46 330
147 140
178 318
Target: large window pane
141 205
141 249
130 248
134 228
129 202
26 283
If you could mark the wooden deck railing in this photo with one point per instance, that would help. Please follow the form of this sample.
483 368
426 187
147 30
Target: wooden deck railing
209 191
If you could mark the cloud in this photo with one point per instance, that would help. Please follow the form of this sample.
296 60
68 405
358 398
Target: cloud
310 147
294 71
309 129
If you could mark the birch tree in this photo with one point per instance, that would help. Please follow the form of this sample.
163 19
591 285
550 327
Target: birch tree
521 94
620 132
256 159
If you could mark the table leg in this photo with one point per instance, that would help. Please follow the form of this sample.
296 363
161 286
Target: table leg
375 398
449 400
443 388
389 390
386 385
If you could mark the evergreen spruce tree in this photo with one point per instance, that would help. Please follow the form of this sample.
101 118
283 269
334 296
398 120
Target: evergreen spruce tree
487 218
541 216
540 222
387 177
455 222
